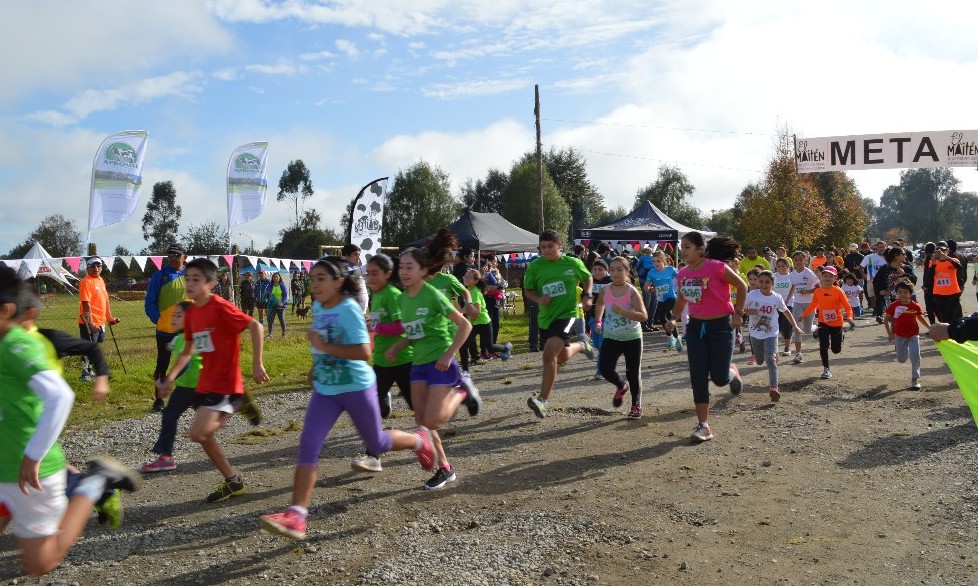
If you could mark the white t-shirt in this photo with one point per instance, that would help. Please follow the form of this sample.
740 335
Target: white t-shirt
804 279
782 285
872 263
764 324
852 293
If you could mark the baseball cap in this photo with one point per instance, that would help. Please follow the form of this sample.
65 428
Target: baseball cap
853 246
830 269
93 261
176 249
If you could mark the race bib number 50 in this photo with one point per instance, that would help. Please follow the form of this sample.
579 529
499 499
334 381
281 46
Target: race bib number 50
555 289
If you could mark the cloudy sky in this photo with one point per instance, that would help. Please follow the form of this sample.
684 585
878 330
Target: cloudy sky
360 89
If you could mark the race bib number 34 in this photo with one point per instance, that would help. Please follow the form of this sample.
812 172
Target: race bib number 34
555 289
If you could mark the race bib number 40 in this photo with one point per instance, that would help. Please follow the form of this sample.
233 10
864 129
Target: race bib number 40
555 289
414 329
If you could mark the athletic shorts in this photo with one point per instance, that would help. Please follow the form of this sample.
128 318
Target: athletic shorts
218 402
427 373
37 514
560 328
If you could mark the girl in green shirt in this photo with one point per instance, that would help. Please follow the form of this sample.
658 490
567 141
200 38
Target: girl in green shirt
481 325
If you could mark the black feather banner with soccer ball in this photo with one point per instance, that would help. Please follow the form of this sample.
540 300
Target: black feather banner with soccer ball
367 219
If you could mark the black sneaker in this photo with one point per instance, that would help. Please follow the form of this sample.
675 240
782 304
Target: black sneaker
385 405
440 479
157 405
115 473
472 400
225 490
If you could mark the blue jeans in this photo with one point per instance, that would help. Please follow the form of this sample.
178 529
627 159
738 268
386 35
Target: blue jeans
651 301
181 399
766 349
709 347
272 313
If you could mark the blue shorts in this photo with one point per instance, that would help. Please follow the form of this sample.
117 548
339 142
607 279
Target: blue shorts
427 373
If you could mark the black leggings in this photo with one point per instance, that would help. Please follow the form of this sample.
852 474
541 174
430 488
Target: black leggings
663 313
825 335
388 375
469 350
163 340
611 350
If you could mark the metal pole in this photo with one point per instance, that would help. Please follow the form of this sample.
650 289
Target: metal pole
119 352
536 114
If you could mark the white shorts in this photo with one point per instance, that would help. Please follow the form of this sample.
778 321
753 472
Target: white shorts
36 514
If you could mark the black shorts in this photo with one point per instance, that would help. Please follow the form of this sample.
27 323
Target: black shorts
212 400
261 305
247 306
559 328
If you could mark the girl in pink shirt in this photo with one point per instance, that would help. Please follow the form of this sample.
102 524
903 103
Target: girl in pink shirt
704 288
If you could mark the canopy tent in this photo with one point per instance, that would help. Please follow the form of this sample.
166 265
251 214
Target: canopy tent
38 261
646 224
487 232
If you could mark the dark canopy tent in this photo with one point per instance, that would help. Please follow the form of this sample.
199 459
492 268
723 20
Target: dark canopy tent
487 232
646 224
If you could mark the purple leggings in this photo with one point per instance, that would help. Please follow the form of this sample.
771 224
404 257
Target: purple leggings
324 410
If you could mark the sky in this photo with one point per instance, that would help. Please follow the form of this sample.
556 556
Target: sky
361 89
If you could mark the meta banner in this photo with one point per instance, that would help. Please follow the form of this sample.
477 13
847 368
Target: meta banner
943 148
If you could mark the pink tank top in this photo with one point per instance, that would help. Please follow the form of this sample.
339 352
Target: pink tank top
619 327
705 290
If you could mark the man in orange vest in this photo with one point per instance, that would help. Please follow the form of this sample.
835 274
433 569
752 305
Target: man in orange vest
947 290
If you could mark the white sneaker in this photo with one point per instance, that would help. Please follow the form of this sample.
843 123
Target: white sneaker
826 373
367 463
702 433
915 384
797 359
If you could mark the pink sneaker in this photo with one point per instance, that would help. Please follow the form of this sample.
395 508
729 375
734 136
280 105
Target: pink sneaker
426 453
775 394
751 361
288 524
619 397
160 464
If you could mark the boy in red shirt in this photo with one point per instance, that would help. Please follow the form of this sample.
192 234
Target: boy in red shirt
212 327
833 309
902 317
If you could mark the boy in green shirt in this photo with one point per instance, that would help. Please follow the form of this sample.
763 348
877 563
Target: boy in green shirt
551 281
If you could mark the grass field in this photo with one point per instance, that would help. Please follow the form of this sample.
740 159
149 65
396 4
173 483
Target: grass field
286 359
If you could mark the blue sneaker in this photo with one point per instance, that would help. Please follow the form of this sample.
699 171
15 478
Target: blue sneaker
680 346
507 352
671 343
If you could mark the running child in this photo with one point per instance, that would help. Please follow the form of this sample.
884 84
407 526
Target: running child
784 288
805 282
550 281
852 289
600 279
35 403
482 325
662 277
902 317
212 327
621 327
734 263
342 381
704 287
766 308
751 286
436 330
833 308
181 399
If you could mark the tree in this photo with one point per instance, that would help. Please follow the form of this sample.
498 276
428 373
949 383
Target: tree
672 193
295 185
418 205
56 233
304 240
161 222
844 207
872 220
521 203
969 215
206 238
567 169
485 196
121 250
783 210
723 222
888 212
930 204
606 217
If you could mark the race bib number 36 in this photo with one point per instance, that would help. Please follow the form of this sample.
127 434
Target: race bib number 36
555 289
414 329
203 342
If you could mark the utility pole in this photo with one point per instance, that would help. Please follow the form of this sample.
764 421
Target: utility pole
536 114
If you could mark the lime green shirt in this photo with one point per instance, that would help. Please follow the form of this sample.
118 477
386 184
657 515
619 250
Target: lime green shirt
385 308
557 279
188 378
479 299
426 323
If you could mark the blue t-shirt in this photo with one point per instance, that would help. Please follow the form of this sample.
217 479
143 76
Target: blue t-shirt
664 282
341 324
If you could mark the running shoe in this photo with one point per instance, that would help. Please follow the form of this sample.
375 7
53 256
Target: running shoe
616 401
826 373
680 344
426 451
751 361
472 400
915 384
775 394
786 352
86 376
597 376
538 405
366 463
225 490
157 405
852 325
879 319
736 384
160 464
798 358
635 413
588 348
289 524
507 352
702 433
115 473
440 479
385 405
249 409
671 344
110 510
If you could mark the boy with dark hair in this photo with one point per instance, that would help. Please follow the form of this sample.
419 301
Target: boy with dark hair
35 403
212 327
902 317
551 281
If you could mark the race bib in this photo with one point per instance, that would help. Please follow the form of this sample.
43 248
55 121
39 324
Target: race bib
414 329
943 280
898 311
661 290
374 319
829 315
597 287
616 323
203 342
692 293
555 289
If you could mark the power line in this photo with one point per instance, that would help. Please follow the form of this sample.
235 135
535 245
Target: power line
661 160
596 123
